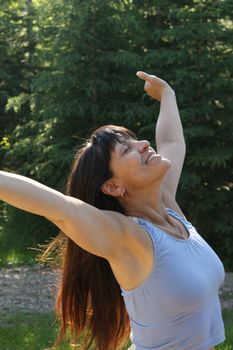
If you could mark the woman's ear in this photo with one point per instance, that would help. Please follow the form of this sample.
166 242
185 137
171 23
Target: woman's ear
112 189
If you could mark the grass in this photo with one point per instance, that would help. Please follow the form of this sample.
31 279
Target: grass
19 238
27 331
30 331
228 321
34 331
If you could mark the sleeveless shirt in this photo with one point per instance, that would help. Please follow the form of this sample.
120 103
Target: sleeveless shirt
177 307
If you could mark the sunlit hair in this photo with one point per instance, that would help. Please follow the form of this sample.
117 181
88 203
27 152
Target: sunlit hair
89 297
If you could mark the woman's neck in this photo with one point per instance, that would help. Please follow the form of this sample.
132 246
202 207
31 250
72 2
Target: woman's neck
147 205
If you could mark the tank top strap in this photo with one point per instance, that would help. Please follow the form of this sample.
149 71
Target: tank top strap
156 235
153 231
171 212
179 217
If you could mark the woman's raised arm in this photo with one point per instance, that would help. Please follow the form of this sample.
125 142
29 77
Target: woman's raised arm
95 230
169 132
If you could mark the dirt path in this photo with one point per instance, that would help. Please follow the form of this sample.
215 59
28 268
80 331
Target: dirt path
33 288
28 288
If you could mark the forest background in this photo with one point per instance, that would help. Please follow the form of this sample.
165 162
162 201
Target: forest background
67 67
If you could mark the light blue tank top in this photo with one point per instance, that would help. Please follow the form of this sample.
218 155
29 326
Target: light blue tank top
177 307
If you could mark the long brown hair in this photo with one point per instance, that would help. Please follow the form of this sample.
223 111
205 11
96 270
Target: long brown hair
89 297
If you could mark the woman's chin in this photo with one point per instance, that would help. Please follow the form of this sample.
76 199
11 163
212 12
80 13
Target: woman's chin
166 163
166 166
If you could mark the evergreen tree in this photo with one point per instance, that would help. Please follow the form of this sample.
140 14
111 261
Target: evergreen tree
9 69
85 78
16 69
16 72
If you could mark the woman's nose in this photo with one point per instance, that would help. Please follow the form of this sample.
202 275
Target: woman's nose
143 145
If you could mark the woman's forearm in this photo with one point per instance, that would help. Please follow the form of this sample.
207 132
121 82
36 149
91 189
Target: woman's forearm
31 196
169 128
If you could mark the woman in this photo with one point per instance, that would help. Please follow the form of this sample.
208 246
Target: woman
129 246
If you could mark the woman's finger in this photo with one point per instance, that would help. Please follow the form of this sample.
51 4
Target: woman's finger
143 76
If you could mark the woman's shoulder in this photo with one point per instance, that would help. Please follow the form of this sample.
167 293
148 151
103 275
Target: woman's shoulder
130 225
135 258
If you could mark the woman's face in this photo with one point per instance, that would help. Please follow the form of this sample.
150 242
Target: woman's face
135 164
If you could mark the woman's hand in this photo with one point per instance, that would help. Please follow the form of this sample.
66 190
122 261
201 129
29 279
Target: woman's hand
154 86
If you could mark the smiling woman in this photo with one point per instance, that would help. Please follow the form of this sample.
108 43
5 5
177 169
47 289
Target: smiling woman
135 164
131 260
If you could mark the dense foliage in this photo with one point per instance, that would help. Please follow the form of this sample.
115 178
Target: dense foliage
69 66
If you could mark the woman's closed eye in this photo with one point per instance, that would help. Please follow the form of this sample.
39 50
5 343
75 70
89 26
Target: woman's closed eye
126 149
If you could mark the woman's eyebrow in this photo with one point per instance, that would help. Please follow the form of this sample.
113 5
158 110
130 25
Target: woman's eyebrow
124 142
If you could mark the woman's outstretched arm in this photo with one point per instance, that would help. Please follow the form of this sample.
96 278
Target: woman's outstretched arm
170 139
169 132
94 230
